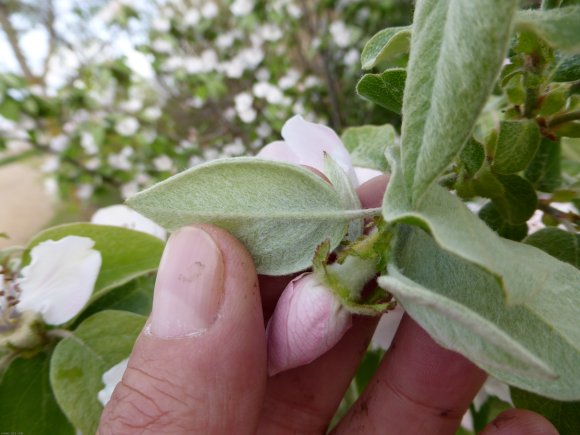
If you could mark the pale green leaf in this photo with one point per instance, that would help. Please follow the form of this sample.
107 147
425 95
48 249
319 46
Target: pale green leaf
78 363
346 192
463 308
457 51
493 218
563 245
367 145
528 276
386 45
126 253
281 212
385 89
557 27
545 171
518 200
27 404
516 146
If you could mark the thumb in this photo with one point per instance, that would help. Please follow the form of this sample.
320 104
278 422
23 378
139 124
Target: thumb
199 366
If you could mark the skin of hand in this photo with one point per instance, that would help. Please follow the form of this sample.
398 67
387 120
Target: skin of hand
199 366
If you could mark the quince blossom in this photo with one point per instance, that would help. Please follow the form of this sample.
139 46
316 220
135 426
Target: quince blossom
59 280
111 378
123 216
307 322
305 144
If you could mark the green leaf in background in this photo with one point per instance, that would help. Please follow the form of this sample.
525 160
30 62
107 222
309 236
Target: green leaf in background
557 27
126 253
565 416
527 276
518 200
386 45
27 404
568 69
135 296
493 218
347 194
367 145
78 363
281 212
472 156
516 146
544 171
457 51
463 308
563 245
385 89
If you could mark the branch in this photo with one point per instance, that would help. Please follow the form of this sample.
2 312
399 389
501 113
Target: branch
12 36
52 38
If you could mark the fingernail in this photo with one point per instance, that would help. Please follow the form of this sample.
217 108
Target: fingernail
189 285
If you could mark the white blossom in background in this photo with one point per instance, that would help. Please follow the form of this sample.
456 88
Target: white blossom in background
236 148
133 105
352 57
270 32
162 45
60 278
93 164
264 130
84 191
340 34
161 25
152 113
163 163
51 164
225 40
209 10
58 143
244 107
271 93
120 160
294 10
129 189
195 160
110 379
290 79
242 7
125 217
127 126
88 143
191 17
210 154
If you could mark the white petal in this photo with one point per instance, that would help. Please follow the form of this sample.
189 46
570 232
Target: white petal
123 216
310 141
365 174
60 278
111 378
279 151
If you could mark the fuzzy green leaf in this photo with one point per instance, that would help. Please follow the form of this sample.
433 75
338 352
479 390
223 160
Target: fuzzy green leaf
518 201
367 145
386 45
493 218
545 169
557 27
463 308
126 254
527 276
27 404
451 72
472 156
516 146
280 212
563 245
385 89
565 416
78 363
568 69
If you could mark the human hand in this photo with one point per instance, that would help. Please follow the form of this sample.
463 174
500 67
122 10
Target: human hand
200 364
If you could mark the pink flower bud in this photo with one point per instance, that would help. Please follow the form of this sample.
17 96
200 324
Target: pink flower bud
307 322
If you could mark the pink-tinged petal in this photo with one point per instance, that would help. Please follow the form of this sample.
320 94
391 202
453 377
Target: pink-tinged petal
387 327
279 151
310 141
307 322
365 174
60 278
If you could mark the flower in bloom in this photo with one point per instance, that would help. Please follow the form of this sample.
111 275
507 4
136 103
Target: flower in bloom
307 322
305 144
242 7
111 378
60 278
123 216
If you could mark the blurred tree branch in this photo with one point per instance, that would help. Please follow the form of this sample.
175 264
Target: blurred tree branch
12 37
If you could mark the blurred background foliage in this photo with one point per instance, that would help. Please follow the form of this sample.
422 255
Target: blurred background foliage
118 95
